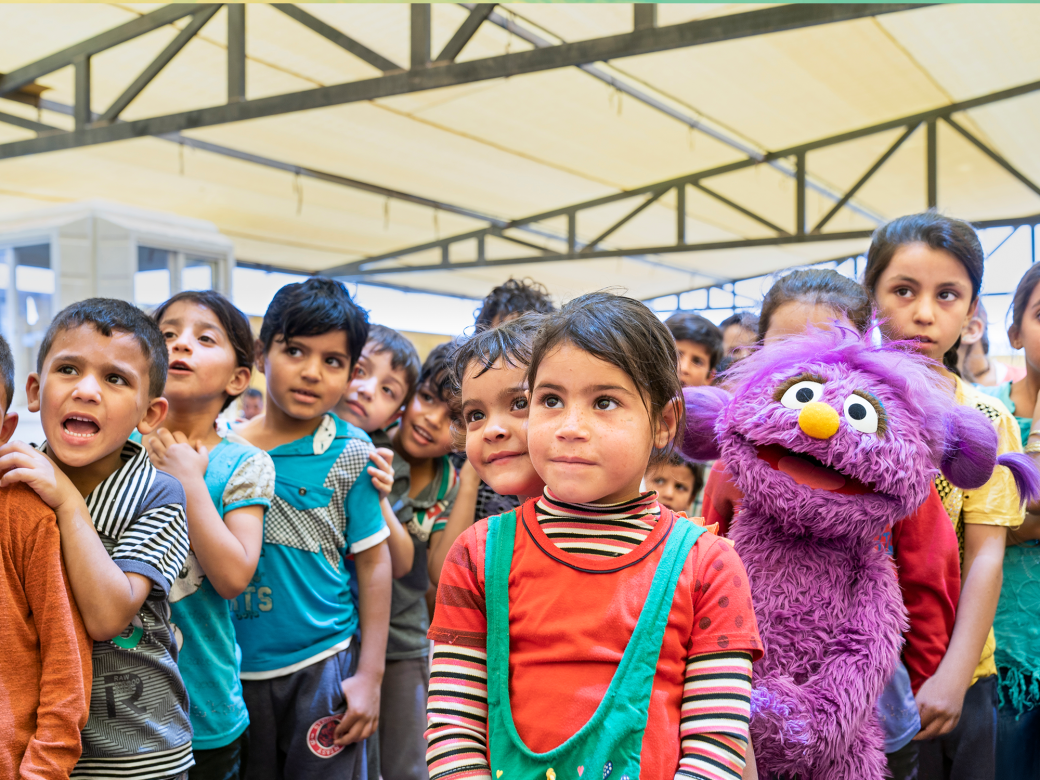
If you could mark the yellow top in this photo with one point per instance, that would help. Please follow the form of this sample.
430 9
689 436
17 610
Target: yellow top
995 503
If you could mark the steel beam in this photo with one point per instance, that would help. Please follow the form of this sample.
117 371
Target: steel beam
342 40
236 52
799 194
81 108
680 214
28 124
702 31
466 32
202 16
864 178
420 35
932 163
737 207
644 16
106 40
653 197
997 158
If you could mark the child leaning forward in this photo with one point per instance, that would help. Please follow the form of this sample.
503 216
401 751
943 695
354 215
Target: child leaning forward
593 629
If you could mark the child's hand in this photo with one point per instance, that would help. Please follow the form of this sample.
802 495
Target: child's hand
382 472
21 463
174 454
362 716
939 703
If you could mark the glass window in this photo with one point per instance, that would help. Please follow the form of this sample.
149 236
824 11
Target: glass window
152 279
33 300
199 273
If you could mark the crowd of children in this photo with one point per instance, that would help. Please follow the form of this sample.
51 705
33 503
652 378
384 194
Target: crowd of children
477 565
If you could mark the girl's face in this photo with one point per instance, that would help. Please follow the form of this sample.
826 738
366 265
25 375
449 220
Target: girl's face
1027 335
494 411
202 361
589 432
796 317
925 296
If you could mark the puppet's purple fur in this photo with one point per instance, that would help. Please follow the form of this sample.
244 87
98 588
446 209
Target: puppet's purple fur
825 593
704 405
1023 469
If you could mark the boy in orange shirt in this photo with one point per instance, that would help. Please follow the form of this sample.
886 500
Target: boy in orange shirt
44 681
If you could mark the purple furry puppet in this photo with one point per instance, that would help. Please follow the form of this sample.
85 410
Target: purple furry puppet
832 440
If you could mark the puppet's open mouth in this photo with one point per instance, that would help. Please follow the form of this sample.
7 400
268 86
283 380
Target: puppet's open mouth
807 470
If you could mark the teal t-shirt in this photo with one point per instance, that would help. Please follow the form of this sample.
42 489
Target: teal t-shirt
209 659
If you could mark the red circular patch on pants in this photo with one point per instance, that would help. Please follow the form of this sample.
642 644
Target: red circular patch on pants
320 737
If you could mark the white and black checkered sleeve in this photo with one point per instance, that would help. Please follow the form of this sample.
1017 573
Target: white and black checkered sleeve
155 545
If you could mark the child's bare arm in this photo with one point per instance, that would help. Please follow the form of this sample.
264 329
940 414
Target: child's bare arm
64 673
363 689
941 697
461 518
402 549
107 597
228 547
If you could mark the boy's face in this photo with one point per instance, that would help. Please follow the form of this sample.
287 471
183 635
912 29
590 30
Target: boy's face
425 426
91 394
674 485
494 410
736 340
376 392
252 406
694 363
306 376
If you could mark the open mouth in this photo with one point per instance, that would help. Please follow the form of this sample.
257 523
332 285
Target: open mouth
810 472
180 365
80 427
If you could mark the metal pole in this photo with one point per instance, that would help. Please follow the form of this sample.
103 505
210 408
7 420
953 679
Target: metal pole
236 52
420 35
680 213
645 16
932 151
799 210
81 110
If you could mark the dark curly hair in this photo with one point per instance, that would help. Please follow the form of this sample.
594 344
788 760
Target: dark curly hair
511 299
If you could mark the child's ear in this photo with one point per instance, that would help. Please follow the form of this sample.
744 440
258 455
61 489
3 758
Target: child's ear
32 391
154 416
258 356
239 382
667 426
8 426
1015 337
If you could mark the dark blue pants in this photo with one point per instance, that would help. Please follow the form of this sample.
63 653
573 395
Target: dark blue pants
223 763
1018 744
969 751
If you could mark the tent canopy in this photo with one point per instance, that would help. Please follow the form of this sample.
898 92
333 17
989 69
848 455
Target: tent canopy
751 133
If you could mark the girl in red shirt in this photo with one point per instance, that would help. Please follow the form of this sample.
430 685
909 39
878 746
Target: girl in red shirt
592 630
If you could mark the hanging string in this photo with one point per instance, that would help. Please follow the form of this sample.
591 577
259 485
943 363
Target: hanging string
386 214
690 138
180 156
436 224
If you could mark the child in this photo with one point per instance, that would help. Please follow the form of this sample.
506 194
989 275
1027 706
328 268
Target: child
252 403
382 389
561 616
508 301
699 344
739 333
229 485
490 372
924 272
678 483
100 373
45 680
925 548
312 695
973 358
1015 625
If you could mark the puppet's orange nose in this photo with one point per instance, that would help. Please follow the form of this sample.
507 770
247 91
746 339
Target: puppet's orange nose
818 420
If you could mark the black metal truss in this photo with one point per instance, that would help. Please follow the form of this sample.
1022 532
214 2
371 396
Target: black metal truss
423 74
802 234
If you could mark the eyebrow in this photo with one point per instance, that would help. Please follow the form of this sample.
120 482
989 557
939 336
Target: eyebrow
467 405
206 324
110 367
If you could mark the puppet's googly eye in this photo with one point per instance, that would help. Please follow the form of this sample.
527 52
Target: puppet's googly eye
801 393
861 414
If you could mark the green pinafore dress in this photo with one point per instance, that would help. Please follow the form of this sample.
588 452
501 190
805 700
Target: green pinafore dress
609 745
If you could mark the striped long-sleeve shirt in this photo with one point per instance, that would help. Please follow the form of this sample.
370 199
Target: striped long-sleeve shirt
715 709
